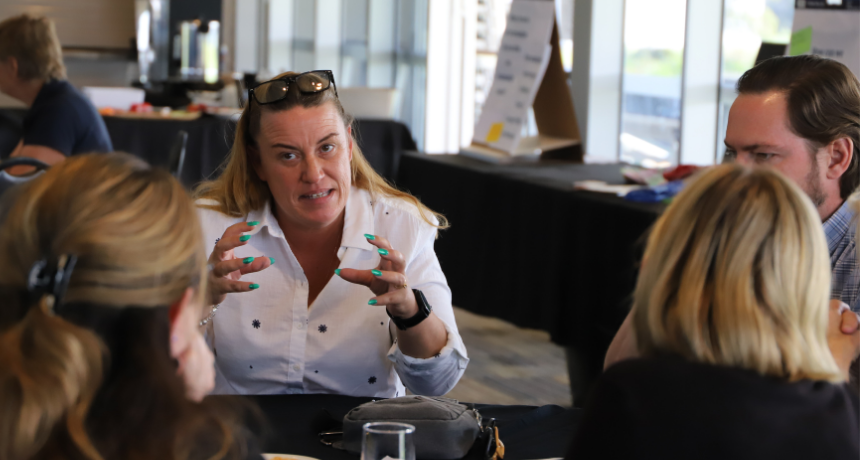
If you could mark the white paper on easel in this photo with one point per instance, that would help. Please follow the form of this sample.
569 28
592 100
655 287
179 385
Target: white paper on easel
827 31
522 61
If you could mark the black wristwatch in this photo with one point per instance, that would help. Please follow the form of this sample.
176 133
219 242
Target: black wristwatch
424 310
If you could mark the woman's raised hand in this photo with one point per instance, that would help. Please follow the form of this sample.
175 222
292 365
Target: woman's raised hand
388 280
225 271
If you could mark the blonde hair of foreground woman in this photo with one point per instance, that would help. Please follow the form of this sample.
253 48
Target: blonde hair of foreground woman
736 273
64 391
238 190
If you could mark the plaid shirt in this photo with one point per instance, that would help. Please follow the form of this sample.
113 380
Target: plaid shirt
839 230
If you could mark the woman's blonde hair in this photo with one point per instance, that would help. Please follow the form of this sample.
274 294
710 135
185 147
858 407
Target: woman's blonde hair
33 42
92 377
238 190
736 273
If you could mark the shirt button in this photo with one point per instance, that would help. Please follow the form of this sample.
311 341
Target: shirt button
297 367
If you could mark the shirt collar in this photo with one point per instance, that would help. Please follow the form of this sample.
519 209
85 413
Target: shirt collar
358 220
837 225
266 220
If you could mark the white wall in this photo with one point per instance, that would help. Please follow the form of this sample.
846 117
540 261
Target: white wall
81 23
247 37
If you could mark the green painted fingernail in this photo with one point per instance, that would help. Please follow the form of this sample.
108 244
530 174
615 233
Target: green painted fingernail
371 302
244 238
254 286
337 271
369 236
383 251
272 260
253 223
247 260
376 272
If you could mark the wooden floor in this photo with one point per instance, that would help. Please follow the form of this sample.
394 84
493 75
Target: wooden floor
510 365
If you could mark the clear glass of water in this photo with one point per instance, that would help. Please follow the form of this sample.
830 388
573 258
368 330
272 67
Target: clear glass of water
387 440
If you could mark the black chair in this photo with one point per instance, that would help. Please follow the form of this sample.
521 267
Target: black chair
769 50
176 160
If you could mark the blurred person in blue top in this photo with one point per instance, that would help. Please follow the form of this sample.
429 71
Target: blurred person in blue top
798 115
60 121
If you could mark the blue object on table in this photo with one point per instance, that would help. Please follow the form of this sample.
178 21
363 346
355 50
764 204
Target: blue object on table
656 193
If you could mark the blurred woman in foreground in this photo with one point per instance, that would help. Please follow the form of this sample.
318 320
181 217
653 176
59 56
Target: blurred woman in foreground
101 284
735 335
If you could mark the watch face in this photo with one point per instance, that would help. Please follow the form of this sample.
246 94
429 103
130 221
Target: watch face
424 310
422 302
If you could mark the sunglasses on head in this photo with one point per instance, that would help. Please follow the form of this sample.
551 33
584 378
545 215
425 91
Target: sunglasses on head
276 90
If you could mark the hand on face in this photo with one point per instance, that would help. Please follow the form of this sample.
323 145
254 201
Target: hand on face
197 369
226 271
189 349
843 334
388 280
304 155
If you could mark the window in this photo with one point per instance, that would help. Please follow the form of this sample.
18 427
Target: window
651 82
366 43
746 25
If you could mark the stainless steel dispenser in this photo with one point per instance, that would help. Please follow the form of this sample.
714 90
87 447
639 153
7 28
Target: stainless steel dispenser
152 20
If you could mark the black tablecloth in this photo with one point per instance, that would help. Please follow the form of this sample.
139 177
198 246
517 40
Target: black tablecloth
210 139
209 142
528 432
525 247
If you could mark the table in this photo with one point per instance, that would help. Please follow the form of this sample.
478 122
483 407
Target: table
528 432
525 247
210 139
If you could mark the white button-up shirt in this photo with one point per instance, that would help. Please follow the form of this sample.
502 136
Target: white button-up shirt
270 341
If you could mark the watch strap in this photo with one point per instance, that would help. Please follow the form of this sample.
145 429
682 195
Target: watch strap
424 310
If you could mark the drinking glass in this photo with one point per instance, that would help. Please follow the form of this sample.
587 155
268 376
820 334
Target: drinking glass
387 440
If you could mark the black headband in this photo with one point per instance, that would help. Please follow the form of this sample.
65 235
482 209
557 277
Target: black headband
49 278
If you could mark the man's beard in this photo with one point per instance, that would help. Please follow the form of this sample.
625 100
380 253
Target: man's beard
813 186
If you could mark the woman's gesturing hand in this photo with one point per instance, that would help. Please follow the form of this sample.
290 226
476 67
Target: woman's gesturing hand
225 271
388 280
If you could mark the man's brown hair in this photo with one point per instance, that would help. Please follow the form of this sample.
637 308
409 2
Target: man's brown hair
33 42
823 99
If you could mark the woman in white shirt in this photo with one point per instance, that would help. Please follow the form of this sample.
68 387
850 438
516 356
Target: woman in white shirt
297 190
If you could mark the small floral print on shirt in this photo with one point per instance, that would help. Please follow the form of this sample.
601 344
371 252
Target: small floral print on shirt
322 328
371 380
256 324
